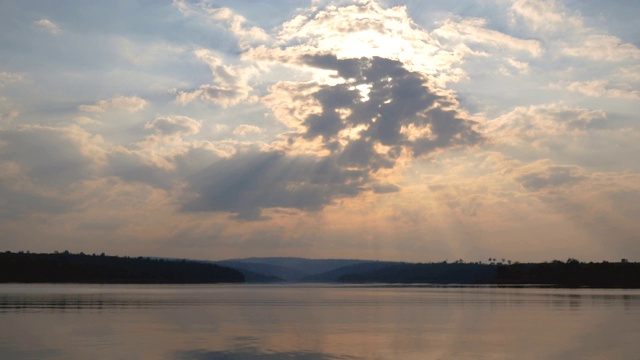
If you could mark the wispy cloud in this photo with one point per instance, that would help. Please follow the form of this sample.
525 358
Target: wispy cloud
236 24
48 25
544 175
231 83
7 78
604 47
174 125
474 30
126 103
599 88
245 129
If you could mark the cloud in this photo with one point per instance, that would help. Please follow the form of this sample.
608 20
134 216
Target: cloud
48 25
291 101
474 30
145 54
174 125
53 156
353 125
237 24
385 188
246 34
167 143
570 135
578 40
163 162
377 113
513 66
250 182
7 112
85 120
245 129
363 29
598 88
629 73
544 175
231 82
359 115
19 196
604 47
538 122
7 78
51 164
400 111
130 104
545 15
140 166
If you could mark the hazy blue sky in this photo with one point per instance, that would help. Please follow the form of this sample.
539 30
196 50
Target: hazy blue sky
398 130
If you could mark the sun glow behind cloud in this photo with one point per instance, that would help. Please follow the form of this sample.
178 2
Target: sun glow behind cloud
363 129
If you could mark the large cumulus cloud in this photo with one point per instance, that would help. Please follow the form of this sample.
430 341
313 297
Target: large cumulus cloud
375 113
353 112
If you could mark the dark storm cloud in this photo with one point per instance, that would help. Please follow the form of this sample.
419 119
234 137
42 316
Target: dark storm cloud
389 110
397 101
360 153
250 182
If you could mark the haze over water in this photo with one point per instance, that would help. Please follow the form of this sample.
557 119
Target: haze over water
316 322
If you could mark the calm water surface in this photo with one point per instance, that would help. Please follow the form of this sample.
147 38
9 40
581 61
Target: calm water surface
316 322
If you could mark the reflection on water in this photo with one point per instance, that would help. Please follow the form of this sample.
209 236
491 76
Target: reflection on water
257 354
248 347
315 322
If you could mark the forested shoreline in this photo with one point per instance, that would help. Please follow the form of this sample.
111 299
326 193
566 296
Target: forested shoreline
25 267
571 273
65 267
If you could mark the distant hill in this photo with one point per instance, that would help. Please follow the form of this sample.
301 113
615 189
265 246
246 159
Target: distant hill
266 270
353 269
80 268
363 271
254 277
288 268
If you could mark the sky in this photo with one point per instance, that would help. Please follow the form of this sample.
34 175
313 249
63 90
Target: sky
393 130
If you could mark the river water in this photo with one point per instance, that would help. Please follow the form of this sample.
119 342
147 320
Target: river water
316 322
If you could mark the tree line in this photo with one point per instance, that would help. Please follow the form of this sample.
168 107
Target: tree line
80 268
571 273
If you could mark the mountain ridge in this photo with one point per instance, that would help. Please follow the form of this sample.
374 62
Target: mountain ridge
297 269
